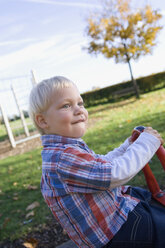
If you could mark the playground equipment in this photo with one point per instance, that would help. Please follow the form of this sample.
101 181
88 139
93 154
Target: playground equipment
152 183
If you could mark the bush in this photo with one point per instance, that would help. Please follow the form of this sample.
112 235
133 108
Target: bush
107 94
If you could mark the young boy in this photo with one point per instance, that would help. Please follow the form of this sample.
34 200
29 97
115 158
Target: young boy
85 190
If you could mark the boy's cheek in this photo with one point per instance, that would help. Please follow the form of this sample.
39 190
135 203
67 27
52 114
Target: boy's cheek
86 113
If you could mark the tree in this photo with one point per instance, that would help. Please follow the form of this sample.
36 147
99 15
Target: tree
121 32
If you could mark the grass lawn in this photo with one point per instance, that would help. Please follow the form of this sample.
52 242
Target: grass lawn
109 126
17 128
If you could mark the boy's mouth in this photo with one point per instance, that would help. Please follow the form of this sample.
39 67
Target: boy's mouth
80 120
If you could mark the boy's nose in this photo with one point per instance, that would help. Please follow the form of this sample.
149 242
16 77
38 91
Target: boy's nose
78 110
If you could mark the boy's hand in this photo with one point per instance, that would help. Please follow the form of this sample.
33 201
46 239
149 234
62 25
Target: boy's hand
154 133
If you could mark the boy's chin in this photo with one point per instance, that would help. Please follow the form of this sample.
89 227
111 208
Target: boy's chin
77 136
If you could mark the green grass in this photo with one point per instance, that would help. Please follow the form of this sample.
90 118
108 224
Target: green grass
16 175
17 128
109 126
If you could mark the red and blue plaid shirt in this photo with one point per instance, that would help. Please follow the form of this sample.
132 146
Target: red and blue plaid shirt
76 186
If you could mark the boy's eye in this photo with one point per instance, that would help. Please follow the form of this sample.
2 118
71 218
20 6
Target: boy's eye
81 103
66 106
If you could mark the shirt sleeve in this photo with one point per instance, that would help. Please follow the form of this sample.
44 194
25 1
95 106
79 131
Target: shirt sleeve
84 172
88 173
134 159
117 151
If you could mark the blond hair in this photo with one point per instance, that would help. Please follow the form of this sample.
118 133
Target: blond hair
41 94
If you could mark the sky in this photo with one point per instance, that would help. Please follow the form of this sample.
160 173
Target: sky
48 36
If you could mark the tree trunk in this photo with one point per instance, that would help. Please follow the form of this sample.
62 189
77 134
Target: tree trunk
132 78
133 81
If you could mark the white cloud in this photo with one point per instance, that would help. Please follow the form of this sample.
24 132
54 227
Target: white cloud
15 42
55 50
62 3
25 54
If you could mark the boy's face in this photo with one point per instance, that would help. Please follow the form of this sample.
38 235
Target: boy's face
66 115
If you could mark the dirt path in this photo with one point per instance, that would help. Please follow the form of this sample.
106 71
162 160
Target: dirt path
6 150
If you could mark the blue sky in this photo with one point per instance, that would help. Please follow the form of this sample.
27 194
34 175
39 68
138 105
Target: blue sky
48 35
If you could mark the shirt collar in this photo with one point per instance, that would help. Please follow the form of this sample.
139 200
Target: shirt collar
51 139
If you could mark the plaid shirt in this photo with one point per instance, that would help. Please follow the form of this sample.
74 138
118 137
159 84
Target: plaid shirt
75 184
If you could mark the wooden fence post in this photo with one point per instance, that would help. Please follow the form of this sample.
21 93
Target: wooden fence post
8 128
21 113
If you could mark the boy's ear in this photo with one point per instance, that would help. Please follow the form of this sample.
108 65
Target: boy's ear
41 122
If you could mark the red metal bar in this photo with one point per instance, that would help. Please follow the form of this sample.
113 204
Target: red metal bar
153 186
161 155
151 181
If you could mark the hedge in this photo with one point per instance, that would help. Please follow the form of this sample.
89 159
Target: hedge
107 94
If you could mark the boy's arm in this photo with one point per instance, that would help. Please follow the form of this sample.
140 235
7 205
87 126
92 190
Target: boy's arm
134 159
119 151
86 173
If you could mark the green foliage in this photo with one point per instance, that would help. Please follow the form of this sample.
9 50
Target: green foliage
107 94
151 82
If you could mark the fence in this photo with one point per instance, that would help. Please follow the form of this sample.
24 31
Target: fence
16 125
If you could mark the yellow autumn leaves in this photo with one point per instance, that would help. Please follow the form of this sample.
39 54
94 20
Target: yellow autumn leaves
119 29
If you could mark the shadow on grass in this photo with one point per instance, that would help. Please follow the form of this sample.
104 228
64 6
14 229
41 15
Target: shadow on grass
108 106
